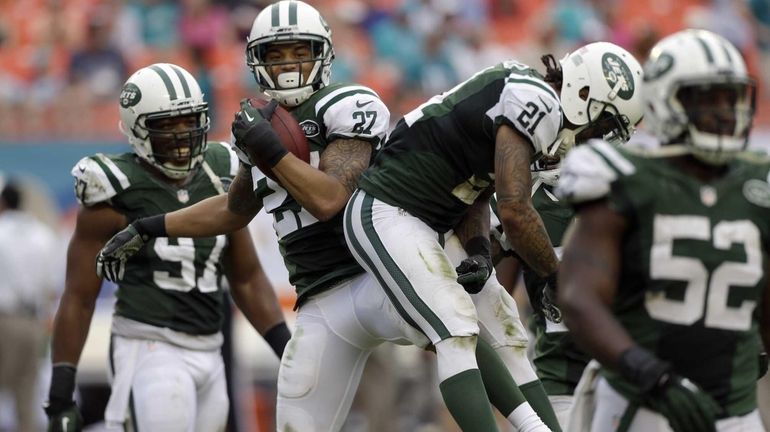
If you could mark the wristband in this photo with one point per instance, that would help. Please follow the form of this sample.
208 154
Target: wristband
478 245
153 226
642 368
62 386
277 337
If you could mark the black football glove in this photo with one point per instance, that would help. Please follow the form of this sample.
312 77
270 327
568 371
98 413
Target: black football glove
63 414
686 406
473 272
548 300
111 261
255 136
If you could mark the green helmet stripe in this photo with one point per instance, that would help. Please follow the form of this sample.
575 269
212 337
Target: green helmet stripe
274 15
185 87
706 49
727 53
166 80
292 13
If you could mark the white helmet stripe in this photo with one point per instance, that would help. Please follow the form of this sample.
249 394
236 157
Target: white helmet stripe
182 79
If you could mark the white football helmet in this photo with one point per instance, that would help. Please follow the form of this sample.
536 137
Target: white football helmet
283 22
601 97
698 61
161 91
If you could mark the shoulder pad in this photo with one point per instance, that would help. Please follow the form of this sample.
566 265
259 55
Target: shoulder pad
529 105
354 111
589 171
98 179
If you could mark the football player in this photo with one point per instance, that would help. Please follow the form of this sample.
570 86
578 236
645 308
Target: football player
558 362
290 53
433 179
342 312
165 363
664 279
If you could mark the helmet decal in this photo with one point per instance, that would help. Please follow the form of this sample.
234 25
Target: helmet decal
618 75
656 68
130 95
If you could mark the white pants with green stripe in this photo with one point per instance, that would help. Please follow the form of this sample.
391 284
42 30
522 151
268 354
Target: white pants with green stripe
415 266
334 334
611 406
167 387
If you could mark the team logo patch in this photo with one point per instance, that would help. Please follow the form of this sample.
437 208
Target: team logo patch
130 95
616 72
708 196
310 128
658 67
757 192
183 196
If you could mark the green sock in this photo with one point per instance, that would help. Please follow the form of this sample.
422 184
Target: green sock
537 398
502 390
466 400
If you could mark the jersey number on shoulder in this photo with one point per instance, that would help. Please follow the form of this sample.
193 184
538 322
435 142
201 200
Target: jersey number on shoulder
184 254
705 294
363 123
525 118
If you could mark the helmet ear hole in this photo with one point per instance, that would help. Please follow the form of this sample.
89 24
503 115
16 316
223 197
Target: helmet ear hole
584 92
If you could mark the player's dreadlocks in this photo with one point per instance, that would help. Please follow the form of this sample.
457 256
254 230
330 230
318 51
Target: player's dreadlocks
553 73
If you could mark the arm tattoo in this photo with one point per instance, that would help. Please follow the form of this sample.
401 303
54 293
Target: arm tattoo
240 197
346 160
524 227
476 221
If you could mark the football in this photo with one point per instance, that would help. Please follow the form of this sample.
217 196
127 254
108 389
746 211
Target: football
289 131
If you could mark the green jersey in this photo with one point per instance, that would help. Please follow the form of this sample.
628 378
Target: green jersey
315 252
171 282
693 262
440 157
558 362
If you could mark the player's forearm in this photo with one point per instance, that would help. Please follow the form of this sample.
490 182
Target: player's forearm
476 221
592 325
259 304
207 218
527 235
321 194
70 329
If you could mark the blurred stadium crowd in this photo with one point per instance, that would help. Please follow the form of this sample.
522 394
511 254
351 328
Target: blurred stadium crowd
62 62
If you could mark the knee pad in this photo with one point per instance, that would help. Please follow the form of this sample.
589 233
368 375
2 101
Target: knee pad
499 317
300 365
455 355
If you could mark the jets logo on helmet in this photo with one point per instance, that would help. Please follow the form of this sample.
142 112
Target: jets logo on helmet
160 92
618 76
130 95
284 22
